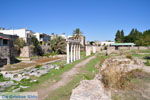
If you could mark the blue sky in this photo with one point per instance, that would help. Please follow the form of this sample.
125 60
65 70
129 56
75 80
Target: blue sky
98 19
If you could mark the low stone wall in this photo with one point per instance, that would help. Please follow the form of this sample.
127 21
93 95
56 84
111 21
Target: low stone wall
92 49
3 62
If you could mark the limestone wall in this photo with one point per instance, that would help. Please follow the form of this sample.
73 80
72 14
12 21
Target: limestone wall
92 49
134 48
88 50
27 51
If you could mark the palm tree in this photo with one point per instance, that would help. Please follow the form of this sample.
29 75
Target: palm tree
77 33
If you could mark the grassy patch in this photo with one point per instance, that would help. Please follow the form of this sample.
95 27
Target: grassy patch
2 79
147 63
52 76
88 72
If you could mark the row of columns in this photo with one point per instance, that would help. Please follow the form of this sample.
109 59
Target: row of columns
73 52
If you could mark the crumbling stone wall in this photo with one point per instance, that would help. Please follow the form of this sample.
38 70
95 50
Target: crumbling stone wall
27 51
4 55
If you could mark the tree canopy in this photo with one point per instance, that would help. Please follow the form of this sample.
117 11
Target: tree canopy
135 36
58 45
77 33
119 36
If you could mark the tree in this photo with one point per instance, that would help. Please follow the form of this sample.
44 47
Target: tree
91 42
122 35
146 38
135 35
58 45
119 36
37 47
77 33
19 43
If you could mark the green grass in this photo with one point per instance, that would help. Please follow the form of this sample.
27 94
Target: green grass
147 63
87 73
53 75
144 51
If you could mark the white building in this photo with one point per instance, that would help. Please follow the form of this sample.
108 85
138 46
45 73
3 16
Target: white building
22 33
106 43
41 37
56 35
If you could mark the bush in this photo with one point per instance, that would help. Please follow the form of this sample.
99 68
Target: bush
25 82
50 54
1 77
120 80
38 66
129 56
147 63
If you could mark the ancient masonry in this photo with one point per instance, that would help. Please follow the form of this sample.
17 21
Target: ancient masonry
73 50
4 55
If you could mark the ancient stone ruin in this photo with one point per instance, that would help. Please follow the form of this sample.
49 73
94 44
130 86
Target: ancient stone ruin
111 71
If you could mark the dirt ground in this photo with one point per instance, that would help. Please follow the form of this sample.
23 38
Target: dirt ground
33 63
65 78
138 88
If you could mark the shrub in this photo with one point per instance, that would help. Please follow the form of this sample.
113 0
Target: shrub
128 56
1 77
25 82
113 79
38 66
147 63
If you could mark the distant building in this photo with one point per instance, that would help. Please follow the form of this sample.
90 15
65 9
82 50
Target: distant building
7 40
53 35
22 33
106 43
41 37
123 44
117 45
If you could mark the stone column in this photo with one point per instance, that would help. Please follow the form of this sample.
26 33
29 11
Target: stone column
79 52
71 53
68 53
74 54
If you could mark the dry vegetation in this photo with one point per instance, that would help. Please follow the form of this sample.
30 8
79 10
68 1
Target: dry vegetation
22 65
126 84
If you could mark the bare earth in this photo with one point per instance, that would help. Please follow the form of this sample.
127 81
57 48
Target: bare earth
65 78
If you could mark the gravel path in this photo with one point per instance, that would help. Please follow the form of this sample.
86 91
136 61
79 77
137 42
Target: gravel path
65 78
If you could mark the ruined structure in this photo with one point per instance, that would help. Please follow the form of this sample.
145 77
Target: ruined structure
73 50
7 51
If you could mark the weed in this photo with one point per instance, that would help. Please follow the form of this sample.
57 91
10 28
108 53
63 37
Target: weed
147 63
129 56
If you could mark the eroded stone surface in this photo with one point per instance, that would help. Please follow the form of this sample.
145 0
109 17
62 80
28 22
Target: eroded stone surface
90 90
